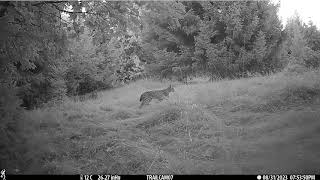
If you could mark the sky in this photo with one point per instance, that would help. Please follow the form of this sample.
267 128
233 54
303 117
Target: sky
307 9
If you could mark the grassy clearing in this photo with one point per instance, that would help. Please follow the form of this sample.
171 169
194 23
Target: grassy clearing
257 125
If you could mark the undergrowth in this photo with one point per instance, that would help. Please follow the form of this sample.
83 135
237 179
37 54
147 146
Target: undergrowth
223 127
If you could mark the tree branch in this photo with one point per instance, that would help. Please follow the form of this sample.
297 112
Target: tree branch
78 12
48 2
70 12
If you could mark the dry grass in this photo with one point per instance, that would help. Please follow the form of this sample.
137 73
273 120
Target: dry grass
255 125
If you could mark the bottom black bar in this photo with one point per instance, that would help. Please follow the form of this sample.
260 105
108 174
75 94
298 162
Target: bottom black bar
161 177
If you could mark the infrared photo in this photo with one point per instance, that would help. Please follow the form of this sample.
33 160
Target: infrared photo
159 87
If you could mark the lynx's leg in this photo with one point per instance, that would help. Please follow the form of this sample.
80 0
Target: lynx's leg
141 105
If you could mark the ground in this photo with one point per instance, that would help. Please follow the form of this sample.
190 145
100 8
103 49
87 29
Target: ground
256 125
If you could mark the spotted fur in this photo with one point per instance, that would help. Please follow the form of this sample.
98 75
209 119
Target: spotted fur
147 97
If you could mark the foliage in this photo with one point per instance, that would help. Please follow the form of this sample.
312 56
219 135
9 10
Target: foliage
111 19
236 37
32 44
168 38
121 52
86 71
50 49
300 47
225 39
113 27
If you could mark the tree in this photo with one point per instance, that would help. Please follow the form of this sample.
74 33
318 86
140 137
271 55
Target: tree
236 37
32 44
169 28
300 47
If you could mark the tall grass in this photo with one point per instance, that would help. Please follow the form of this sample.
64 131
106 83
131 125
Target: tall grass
205 127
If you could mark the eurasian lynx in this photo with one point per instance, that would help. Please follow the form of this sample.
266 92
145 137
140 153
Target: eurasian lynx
146 97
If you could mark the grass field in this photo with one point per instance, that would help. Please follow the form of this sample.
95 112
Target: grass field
256 125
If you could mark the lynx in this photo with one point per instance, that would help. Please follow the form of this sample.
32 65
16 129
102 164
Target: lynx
146 97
